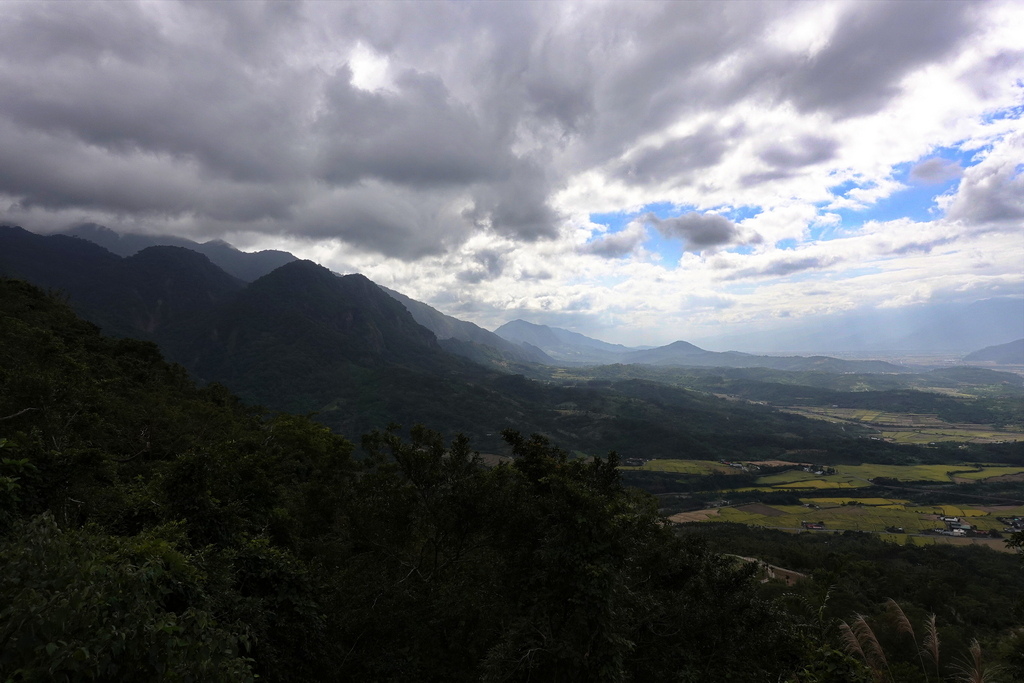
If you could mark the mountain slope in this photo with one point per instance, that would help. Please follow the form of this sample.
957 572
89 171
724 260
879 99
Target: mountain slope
1008 354
445 327
561 345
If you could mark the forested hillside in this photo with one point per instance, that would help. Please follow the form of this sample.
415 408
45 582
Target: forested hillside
152 530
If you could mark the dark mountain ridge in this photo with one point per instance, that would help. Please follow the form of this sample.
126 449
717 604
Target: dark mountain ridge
246 266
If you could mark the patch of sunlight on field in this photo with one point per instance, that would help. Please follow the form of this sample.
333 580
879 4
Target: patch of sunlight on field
922 540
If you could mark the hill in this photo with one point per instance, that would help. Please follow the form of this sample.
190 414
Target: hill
1003 354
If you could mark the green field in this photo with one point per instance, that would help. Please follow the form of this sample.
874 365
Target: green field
798 479
989 472
686 467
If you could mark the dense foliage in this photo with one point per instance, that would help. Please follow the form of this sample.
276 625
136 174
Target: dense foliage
973 592
153 530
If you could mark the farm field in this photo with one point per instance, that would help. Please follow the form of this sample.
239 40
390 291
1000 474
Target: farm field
869 514
842 509
845 477
909 428
686 467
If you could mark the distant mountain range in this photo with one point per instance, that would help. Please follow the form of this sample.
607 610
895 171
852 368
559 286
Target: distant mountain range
576 349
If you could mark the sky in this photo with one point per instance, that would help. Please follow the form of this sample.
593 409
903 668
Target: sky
637 172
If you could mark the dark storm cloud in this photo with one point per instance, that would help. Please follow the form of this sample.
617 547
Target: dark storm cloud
935 170
875 45
699 231
209 111
416 136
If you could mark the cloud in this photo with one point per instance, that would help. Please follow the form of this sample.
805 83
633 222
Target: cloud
844 79
489 265
935 170
803 152
674 158
992 193
699 231
618 244
786 265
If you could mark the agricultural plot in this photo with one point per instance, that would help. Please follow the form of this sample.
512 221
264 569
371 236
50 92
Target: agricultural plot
825 484
903 472
910 428
686 467
989 473
872 515
799 479
878 502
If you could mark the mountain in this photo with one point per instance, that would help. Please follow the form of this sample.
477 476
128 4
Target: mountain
467 339
562 345
138 296
246 266
1004 354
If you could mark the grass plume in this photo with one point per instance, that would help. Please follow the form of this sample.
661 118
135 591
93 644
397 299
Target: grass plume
931 643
